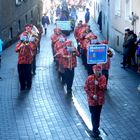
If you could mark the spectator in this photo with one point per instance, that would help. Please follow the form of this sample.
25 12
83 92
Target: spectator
126 48
69 63
87 16
73 13
45 22
58 11
133 48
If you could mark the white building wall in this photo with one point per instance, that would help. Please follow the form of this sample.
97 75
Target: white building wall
114 17
120 22
105 18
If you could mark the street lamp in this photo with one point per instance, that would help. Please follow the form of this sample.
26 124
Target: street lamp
133 19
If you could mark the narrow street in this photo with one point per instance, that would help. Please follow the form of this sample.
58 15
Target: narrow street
43 113
46 112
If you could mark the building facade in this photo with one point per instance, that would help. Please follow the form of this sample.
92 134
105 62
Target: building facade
116 16
14 14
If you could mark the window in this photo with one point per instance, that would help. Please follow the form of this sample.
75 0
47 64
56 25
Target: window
104 18
19 25
118 7
31 14
128 9
118 40
11 33
18 2
98 8
96 5
26 19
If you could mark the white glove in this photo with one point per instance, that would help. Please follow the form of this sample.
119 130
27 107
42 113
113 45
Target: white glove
95 97
96 82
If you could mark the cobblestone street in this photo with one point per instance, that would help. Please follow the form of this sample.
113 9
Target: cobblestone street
46 112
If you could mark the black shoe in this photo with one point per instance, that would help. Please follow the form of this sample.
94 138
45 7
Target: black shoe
135 65
69 91
63 82
123 67
28 88
34 73
129 66
98 132
95 135
22 89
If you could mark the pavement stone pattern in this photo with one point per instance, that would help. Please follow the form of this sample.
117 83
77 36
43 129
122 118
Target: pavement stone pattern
47 113
43 113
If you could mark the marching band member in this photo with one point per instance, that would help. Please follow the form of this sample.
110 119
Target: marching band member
55 37
69 63
58 48
25 49
77 34
106 66
95 86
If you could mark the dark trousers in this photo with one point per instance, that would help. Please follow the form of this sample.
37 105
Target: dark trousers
25 76
95 117
69 76
125 60
84 57
132 55
78 47
126 57
89 68
62 77
45 30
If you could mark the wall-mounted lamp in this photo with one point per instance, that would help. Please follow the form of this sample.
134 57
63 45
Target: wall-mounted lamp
133 18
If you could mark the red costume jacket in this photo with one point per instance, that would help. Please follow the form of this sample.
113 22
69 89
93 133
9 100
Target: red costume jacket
92 89
76 33
25 52
69 60
58 48
54 38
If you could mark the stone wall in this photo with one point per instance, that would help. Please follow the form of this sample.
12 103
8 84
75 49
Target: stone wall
13 18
